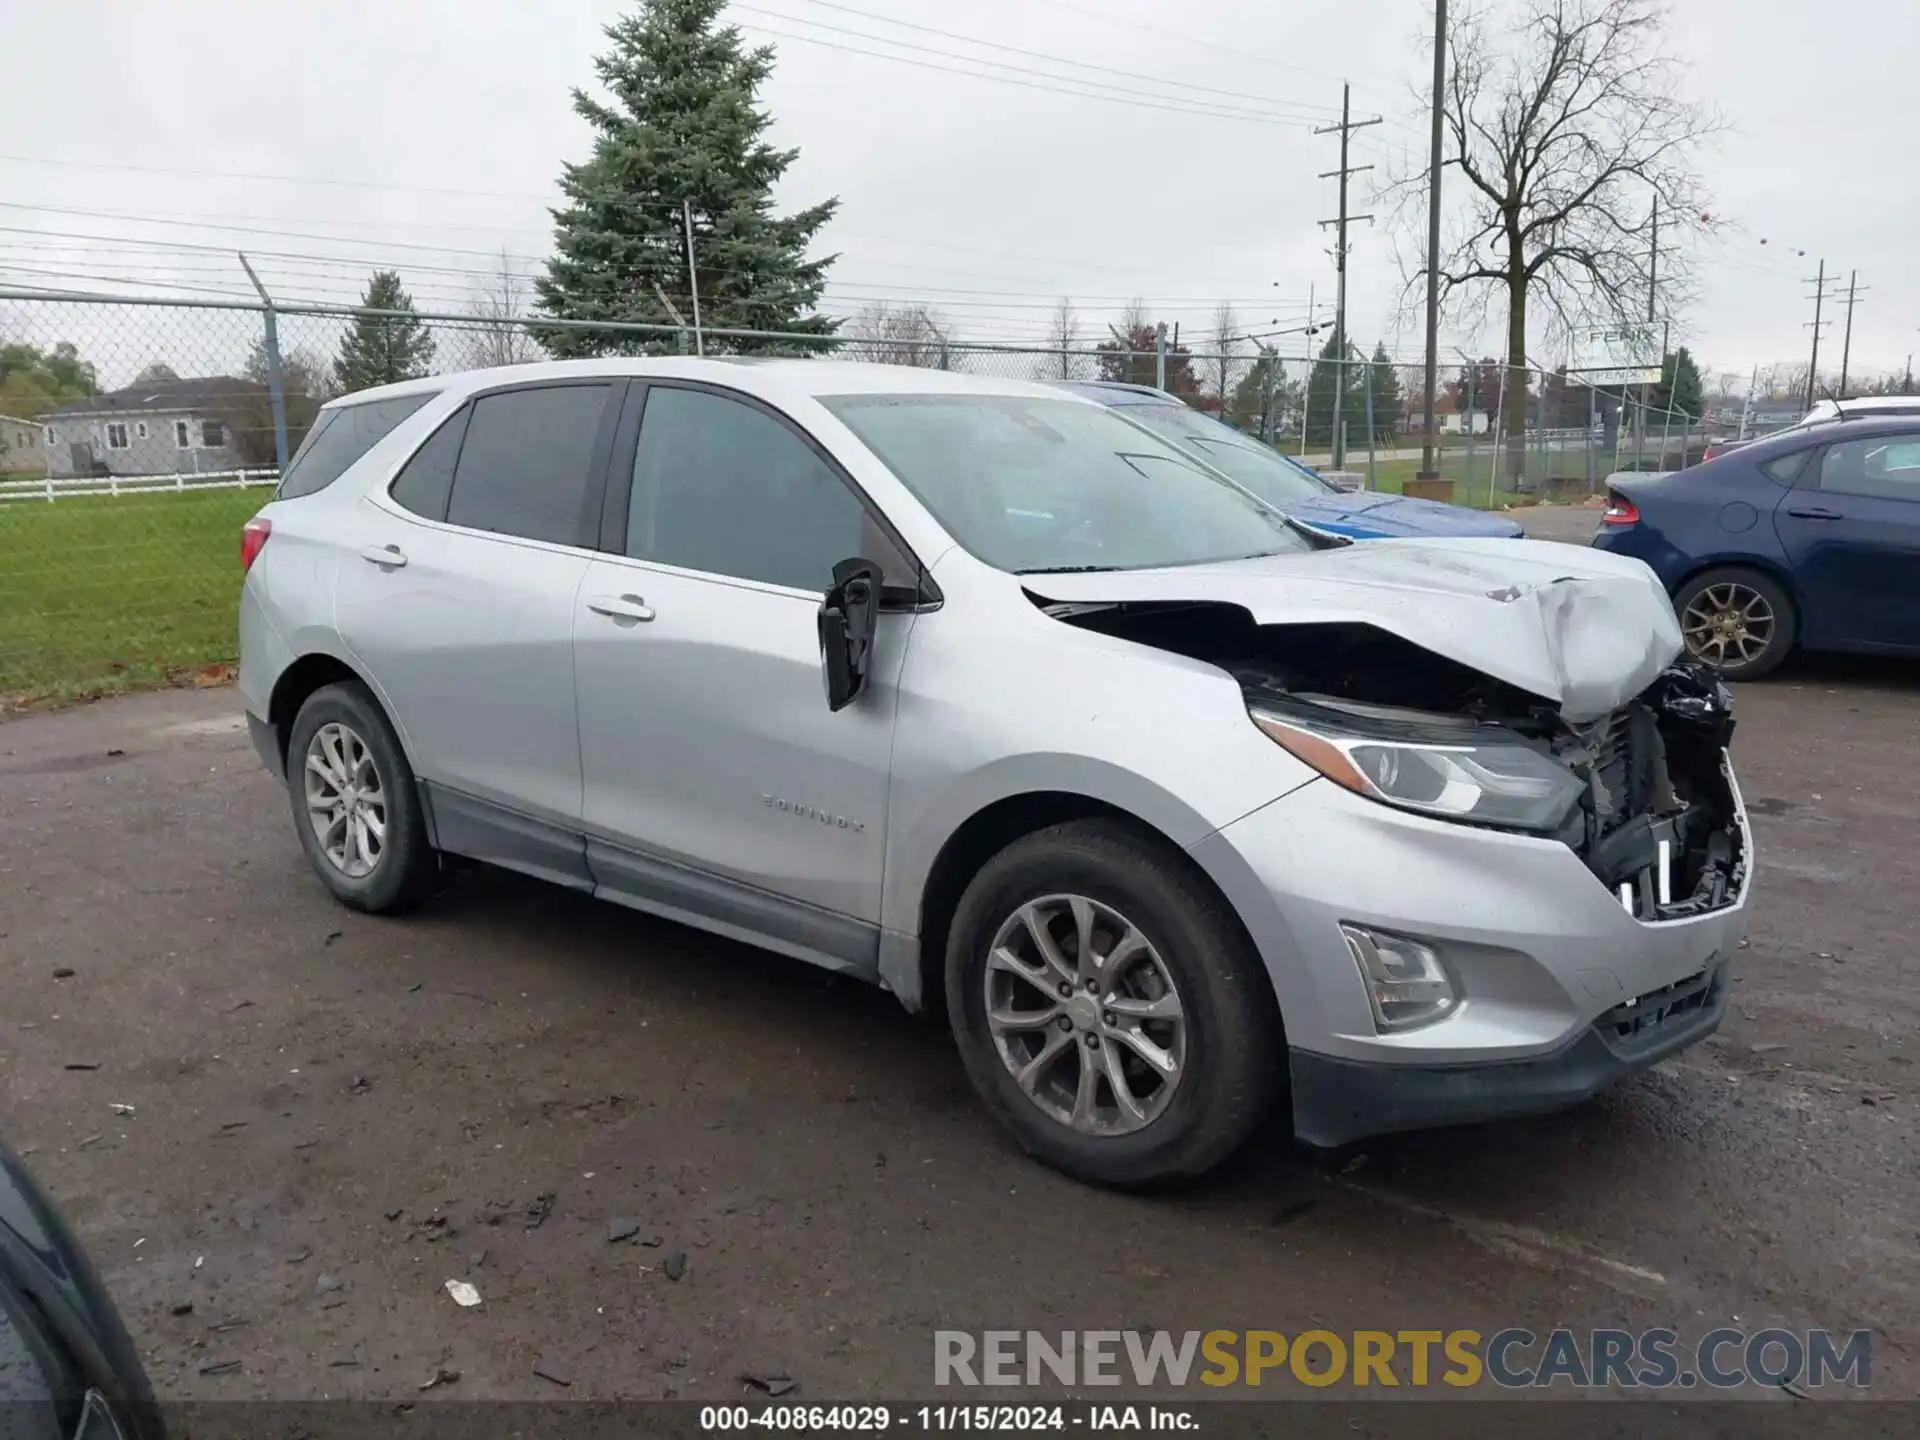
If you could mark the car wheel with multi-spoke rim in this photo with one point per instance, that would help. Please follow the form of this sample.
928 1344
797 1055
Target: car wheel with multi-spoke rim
1109 1008
1738 621
355 804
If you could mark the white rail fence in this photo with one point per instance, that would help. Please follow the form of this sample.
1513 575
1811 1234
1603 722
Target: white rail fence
74 486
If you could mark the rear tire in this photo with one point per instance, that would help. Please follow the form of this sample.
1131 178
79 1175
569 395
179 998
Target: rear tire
356 807
1739 621
1032 1022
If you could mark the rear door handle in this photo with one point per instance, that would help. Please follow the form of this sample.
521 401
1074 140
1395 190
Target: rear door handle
1813 512
389 556
620 607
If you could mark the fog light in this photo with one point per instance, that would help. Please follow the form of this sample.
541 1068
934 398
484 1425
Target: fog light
1407 986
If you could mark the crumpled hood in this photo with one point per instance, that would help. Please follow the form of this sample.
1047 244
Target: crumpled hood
1582 628
1370 515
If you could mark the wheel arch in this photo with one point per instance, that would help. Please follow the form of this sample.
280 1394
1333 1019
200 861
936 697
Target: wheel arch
315 670
298 681
916 971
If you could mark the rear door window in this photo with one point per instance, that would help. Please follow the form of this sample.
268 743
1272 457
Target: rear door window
526 464
339 438
1886 467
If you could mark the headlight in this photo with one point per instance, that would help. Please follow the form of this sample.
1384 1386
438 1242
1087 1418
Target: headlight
1485 782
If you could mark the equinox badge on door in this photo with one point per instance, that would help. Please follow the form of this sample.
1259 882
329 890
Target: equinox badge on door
808 812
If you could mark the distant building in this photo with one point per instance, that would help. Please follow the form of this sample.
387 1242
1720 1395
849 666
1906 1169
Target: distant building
1452 420
159 427
20 447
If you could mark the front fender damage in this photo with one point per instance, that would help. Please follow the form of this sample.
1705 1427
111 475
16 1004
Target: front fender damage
1658 823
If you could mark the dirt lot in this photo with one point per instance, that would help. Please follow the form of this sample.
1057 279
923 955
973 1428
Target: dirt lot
331 1116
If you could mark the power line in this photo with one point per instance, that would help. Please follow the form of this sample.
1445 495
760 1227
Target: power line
1306 111
1110 95
1267 61
276 179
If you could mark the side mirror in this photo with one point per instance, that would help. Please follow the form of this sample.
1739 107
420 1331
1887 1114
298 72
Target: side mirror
848 613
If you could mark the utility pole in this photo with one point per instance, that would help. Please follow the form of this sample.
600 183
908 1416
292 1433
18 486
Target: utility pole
1429 454
693 279
1846 345
1819 303
1345 128
1653 264
1653 293
1160 356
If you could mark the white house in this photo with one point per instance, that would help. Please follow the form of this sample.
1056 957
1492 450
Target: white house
1452 420
158 427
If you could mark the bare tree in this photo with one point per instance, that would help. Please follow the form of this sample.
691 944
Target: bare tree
1571 137
901 335
1223 366
500 337
1063 334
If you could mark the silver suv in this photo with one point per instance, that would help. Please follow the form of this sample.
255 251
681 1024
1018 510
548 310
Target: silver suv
978 691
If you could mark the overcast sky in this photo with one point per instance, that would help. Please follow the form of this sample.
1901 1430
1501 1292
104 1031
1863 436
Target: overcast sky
425 134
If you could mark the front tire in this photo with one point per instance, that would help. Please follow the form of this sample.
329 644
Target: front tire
1739 621
356 807
1108 1007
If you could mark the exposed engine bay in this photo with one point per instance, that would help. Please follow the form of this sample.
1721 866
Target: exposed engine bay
1654 818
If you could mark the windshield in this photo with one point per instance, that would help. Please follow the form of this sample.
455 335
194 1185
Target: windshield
1261 468
1039 484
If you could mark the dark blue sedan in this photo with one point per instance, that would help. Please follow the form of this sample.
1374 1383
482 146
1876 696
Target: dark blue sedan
1285 484
1810 537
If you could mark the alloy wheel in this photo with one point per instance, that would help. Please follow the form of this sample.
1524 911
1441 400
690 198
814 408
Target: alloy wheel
1085 1015
1728 624
346 802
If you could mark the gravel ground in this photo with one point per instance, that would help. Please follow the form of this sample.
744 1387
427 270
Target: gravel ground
332 1115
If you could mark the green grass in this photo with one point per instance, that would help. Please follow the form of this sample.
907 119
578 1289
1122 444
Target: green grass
1468 488
107 593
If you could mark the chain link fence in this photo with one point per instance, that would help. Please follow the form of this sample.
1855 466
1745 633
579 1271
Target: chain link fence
137 435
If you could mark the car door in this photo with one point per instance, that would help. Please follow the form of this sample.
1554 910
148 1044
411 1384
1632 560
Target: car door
1851 528
459 604
719 786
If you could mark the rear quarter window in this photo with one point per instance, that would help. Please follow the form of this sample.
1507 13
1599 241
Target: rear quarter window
339 438
1787 468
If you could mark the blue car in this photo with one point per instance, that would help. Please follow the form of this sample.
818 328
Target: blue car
1286 484
1809 537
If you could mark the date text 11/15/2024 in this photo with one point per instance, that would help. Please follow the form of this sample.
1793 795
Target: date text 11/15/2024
946 1419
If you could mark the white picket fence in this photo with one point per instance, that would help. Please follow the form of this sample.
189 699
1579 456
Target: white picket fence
73 486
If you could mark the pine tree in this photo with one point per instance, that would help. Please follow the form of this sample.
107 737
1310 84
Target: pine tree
1385 382
1681 389
682 128
381 349
1321 386
1260 399
1132 361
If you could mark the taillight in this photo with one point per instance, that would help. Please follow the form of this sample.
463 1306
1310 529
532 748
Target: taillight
253 539
1620 511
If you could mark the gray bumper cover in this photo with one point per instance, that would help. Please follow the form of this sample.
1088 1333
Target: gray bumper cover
1338 1101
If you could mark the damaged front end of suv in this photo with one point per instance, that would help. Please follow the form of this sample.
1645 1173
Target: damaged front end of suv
1642 792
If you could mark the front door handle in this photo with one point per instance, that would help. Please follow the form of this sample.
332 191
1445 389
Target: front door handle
388 556
1813 512
620 607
